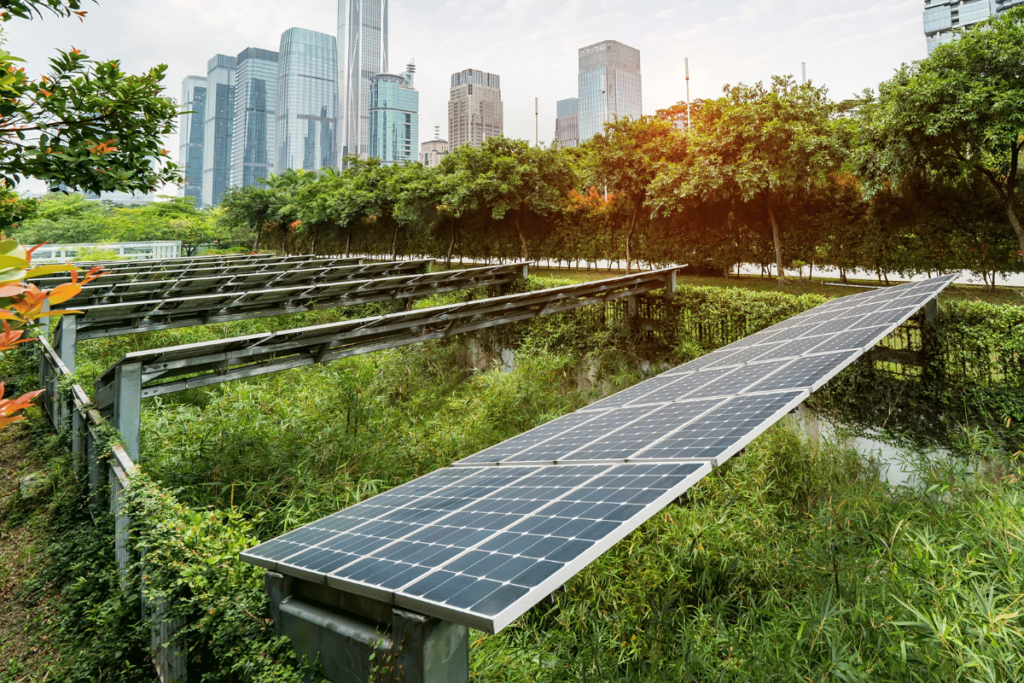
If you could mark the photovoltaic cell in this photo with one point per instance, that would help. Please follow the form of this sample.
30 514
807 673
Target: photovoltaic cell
482 542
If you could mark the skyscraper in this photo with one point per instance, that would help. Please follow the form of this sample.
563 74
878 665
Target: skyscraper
567 122
362 54
394 117
307 101
220 115
942 16
191 133
252 145
616 67
475 111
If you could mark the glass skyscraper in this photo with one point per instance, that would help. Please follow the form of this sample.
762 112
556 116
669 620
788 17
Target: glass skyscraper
394 118
191 132
617 67
362 54
942 16
220 115
567 122
252 152
307 101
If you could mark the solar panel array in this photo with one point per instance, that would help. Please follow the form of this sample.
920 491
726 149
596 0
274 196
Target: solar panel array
481 542
176 368
160 314
233 279
157 270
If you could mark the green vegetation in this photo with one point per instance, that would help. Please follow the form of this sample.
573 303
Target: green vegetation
85 124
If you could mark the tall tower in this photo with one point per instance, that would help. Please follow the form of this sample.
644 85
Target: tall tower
252 143
475 111
567 122
394 117
362 54
613 68
307 101
220 115
192 131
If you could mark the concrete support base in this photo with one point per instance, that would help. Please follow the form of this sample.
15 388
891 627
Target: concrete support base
357 639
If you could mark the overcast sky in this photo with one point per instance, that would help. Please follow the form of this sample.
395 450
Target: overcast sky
849 45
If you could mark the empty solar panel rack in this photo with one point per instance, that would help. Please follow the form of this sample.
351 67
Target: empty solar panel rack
156 372
133 317
480 543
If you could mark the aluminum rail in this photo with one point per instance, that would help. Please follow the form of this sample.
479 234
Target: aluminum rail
200 269
235 279
144 374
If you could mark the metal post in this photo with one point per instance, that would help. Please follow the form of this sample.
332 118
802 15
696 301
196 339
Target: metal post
670 285
67 340
687 62
77 442
429 650
128 406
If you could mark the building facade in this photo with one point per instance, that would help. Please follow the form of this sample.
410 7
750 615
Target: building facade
362 54
219 128
942 16
475 110
307 101
432 152
610 87
394 117
191 132
252 144
567 122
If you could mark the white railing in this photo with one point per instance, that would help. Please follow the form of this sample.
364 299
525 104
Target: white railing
122 251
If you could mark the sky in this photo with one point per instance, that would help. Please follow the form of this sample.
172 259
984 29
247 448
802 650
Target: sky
848 45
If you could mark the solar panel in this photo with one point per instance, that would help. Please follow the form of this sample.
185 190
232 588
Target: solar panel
478 545
481 542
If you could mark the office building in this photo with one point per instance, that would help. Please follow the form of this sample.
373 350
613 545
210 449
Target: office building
567 122
394 117
475 111
609 86
433 151
252 144
942 16
362 53
191 131
307 101
219 128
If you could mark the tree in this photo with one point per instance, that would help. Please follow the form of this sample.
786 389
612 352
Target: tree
765 147
956 113
86 124
627 158
249 207
516 180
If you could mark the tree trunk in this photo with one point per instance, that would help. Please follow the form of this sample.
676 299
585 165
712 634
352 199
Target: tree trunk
778 243
629 239
810 273
394 244
259 233
522 238
451 244
348 242
1011 213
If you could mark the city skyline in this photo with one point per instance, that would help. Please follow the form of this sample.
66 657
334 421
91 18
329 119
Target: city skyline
848 45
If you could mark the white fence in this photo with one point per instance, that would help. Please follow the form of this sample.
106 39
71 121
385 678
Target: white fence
126 251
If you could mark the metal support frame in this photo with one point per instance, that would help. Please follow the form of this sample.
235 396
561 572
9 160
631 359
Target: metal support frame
66 340
127 408
356 639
